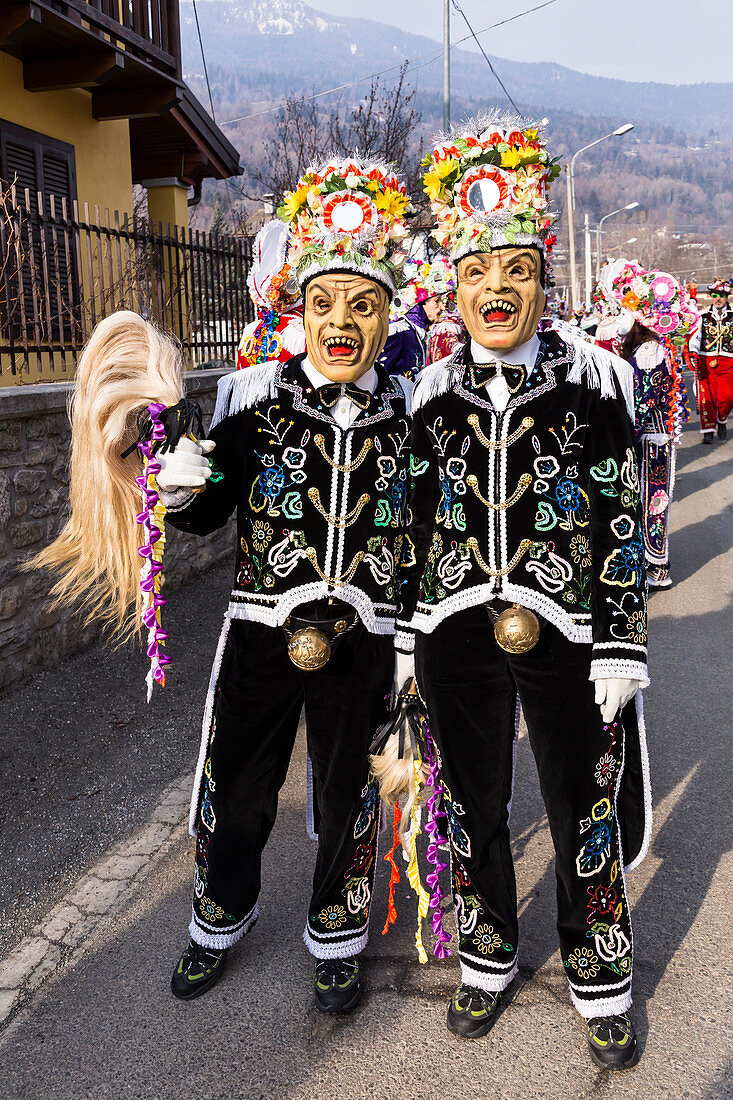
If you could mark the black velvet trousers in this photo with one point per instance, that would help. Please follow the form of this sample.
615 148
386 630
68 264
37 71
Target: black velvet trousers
470 686
258 702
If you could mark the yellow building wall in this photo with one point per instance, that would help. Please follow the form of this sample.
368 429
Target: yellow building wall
103 172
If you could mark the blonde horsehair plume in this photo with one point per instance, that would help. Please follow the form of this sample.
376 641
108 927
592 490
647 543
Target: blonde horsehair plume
396 777
126 364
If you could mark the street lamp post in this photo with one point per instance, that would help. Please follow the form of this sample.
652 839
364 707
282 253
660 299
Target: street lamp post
570 173
599 231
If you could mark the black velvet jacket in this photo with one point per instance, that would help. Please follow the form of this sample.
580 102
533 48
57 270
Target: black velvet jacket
537 505
320 509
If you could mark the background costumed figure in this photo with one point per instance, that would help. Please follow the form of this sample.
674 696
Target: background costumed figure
710 355
654 310
278 332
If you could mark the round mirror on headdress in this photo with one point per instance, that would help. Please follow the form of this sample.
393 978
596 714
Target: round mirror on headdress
485 189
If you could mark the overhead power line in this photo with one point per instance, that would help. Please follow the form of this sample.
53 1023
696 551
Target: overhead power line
211 99
463 15
410 66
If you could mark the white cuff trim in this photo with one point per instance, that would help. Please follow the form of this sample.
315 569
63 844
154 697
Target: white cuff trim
611 1006
612 669
490 983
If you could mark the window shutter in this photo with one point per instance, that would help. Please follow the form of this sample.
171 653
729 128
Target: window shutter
38 163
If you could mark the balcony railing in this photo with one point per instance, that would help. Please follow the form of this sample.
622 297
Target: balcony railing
147 26
62 270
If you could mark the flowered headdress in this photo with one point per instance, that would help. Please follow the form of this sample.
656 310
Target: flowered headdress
348 216
656 300
488 183
424 279
720 286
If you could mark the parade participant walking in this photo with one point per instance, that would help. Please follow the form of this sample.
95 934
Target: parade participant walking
421 306
711 358
654 309
278 332
528 580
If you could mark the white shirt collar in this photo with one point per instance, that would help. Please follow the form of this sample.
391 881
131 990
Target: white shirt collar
525 353
368 381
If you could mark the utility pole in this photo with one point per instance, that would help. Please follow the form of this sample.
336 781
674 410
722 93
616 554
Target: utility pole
571 236
588 270
446 65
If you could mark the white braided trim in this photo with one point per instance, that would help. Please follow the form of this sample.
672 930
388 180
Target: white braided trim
490 983
220 940
206 727
310 825
515 747
619 987
404 641
610 1006
175 500
618 645
428 619
376 620
341 950
646 784
611 668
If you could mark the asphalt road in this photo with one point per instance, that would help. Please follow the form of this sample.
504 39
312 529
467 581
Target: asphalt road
84 765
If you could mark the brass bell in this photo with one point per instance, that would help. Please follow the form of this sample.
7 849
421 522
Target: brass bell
517 629
308 649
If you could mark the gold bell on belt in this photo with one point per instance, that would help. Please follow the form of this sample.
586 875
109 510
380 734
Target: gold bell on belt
517 629
309 649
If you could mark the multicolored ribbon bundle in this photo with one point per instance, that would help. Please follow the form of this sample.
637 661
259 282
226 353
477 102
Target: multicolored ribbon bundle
152 520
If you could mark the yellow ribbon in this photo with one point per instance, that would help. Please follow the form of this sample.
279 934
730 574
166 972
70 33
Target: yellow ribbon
413 874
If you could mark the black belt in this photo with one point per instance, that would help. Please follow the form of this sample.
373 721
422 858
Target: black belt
314 629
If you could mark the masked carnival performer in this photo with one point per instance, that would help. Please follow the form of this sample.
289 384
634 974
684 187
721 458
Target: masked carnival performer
312 455
278 332
419 307
710 351
528 581
654 309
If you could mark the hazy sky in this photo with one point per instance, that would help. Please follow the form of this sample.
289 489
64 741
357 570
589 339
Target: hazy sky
673 41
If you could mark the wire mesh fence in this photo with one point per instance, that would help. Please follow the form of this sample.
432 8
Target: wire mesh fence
63 268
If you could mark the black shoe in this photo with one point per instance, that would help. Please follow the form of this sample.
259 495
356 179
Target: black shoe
337 985
472 1012
707 437
198 969
658 576
722 430
612 1042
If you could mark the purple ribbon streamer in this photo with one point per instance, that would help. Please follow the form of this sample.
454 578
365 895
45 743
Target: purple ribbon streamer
433 829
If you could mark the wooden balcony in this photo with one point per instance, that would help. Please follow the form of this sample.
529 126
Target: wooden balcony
127 53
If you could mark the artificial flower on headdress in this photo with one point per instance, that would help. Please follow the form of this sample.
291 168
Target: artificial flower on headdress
348 215
423 279
720 286
488 183
655 299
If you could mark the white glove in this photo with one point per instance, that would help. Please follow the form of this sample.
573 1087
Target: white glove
404 670
185 466
613 694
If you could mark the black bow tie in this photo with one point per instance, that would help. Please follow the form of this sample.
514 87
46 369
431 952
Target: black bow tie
329 395
481 373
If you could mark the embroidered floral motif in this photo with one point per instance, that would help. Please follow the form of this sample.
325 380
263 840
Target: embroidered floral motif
605 769
486 939
584 961
333 916
580 550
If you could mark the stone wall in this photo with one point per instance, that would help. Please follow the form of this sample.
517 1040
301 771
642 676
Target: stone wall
34 447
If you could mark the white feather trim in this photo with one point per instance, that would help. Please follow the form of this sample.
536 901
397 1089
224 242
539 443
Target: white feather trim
293 337
597 368
244 388
432 381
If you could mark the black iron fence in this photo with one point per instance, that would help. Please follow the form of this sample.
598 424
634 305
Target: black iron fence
63 269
